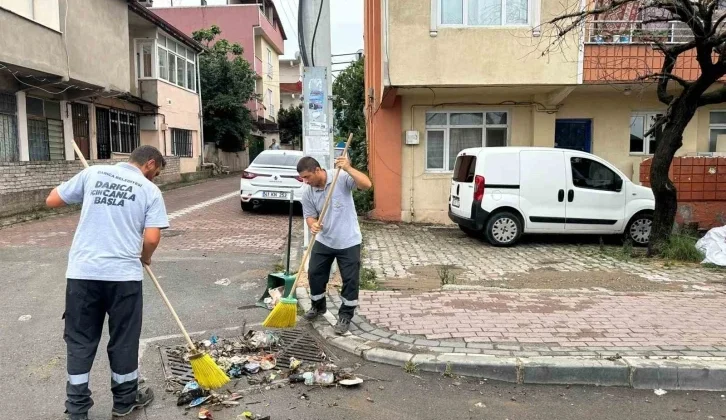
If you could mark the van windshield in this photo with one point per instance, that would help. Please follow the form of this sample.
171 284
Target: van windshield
464 170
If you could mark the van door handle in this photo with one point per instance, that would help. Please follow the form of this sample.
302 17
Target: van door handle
570 196
561 196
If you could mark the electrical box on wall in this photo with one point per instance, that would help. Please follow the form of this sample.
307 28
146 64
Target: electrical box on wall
148 123
412 137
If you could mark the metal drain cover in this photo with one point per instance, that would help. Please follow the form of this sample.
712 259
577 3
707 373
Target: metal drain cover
174 365
296 343
301 345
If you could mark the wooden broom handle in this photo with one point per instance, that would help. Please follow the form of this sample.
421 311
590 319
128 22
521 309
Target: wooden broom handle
151 274
171 308
320 218
79 154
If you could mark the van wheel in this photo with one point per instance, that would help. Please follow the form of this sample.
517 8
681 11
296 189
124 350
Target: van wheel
638 230
504 229
470 232
247 206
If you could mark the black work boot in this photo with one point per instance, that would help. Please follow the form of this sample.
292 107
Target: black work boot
79 416
313 313
143 398
342 326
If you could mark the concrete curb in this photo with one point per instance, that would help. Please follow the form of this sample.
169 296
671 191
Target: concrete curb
633 372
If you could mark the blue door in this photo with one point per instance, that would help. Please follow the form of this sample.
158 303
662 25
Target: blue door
573 135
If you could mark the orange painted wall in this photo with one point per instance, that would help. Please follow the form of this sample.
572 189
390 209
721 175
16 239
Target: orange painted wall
701 185
626 63
383 124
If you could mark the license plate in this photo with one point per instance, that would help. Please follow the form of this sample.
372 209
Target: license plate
455 201
274 194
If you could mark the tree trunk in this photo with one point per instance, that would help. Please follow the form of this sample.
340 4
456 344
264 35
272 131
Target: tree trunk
666 198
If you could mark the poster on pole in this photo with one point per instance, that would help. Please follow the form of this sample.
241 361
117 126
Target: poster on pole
316 127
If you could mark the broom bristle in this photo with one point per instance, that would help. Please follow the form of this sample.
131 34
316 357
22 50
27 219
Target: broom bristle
207 373
283 315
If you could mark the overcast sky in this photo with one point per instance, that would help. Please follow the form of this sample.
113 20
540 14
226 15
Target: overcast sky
346 17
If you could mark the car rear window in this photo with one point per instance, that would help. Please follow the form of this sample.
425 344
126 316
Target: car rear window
464 169
276 159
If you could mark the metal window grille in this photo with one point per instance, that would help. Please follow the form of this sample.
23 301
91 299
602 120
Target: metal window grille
81 131
38 139
123 131
103 133
181 144
8 129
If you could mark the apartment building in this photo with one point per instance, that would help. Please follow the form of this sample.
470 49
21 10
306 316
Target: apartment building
256 26
290 82
108 75
444 75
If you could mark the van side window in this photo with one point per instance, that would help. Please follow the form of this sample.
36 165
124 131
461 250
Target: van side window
464 169
587 173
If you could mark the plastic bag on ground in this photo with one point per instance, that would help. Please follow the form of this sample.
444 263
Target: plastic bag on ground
713 246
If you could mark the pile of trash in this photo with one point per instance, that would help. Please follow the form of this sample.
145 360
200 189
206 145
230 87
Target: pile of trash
254 356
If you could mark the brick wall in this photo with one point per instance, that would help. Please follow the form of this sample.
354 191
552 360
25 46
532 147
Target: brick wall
25 185
701 185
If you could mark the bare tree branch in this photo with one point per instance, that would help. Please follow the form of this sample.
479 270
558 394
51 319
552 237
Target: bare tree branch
657 76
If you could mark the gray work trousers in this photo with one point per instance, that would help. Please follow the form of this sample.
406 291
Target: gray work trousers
321 260
87 303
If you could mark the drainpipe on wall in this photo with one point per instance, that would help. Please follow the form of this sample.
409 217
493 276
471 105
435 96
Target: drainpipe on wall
201 111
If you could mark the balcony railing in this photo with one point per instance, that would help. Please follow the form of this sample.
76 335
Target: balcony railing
636 32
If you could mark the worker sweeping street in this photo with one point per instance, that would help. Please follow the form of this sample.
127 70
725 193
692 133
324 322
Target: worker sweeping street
338 236
120 225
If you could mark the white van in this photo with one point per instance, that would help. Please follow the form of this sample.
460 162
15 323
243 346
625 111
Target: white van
503 192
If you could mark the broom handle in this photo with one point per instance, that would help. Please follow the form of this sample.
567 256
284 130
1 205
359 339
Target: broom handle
148 270
322 215
171 308
79 154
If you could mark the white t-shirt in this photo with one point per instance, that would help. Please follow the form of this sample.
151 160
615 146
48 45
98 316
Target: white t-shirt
118 204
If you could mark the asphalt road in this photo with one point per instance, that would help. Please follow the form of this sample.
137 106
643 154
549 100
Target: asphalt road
213 269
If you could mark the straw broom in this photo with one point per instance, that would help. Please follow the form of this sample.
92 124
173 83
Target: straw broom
206 371
284 314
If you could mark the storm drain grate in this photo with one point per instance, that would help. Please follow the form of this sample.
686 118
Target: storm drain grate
174 365
293 343
301 345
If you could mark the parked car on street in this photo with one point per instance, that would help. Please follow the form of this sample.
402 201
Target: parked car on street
504 192
270 178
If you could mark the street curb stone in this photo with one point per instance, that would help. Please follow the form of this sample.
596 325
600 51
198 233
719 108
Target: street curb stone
634 372
549 370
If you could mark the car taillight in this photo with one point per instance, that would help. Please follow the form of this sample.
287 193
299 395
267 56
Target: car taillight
248 175
478 188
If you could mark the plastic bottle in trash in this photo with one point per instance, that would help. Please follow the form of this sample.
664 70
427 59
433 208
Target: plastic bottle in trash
324 378
309 378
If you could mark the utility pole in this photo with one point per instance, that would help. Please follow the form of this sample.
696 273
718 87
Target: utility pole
317 84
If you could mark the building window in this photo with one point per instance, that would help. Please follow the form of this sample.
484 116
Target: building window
45 12
717 127
484 12
181 143
144 60
121 130
640 124
269 63
45 130
8 129
448 133
270 105
177 63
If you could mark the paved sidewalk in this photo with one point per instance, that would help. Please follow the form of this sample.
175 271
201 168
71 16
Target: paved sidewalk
561 303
